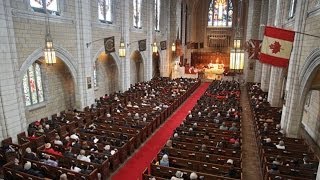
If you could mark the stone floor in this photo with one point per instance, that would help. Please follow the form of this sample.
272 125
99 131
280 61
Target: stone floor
250 158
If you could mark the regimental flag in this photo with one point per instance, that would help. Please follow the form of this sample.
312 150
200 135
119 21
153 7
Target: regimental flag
163 45
276 46
109 45
142 45
253 47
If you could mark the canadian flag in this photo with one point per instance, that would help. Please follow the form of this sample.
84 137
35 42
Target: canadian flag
276 46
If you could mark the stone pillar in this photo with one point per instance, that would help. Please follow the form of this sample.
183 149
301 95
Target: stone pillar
12 113
276 75
125 68
253 25
275 86
85 70
265 77
293 109
263 20
148 65
258 71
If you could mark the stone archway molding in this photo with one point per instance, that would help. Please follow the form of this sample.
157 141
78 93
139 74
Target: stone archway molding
115 58
62 53
308 72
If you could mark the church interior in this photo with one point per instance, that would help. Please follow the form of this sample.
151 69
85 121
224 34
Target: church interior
159 89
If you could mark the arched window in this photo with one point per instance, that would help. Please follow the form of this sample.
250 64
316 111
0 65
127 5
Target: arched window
104 10
157 14
32 85
137 13
292 8
45 5
220 13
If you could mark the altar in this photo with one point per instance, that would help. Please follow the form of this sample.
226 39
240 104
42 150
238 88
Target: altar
213 71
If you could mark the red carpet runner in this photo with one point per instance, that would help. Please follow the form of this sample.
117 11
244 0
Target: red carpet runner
134 167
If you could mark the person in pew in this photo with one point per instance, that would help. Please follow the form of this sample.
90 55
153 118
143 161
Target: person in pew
75 168
274 169
232 173
28 169
107 150
267 142
178 176
57 141
30 155
164 161
76 144
47 128
193 176
233 127
233 139
306 163
203 148
223 126
280 145
82 156
17 166
63 177
236 145
277 161
85 146
48 149
47 160
68 153
67 143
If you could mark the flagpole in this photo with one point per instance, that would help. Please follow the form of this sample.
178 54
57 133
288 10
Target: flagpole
263 25
307 34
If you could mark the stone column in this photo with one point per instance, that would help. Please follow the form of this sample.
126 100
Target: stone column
12 112
148 65
85 70
276 75
125 68
263 20
265 77
293 109
253 25
275 86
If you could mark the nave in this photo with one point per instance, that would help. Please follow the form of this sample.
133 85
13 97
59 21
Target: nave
210 136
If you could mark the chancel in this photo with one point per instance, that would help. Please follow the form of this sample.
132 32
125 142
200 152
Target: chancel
159 89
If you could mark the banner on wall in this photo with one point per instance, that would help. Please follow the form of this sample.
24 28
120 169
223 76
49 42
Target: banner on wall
163 45
142 45
276 46
109 45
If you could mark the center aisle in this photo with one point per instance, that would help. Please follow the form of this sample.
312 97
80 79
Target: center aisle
142 158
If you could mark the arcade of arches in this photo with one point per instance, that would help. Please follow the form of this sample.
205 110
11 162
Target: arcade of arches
203 32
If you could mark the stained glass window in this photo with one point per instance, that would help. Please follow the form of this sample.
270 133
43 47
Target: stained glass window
32 85
292 8
220 13
42 5
157 14
137 13
104 10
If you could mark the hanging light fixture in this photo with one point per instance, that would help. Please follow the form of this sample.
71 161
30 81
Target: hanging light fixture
154 47
49 52
173 47
122 48
237 53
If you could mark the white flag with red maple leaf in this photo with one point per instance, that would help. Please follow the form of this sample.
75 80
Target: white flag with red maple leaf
276 46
